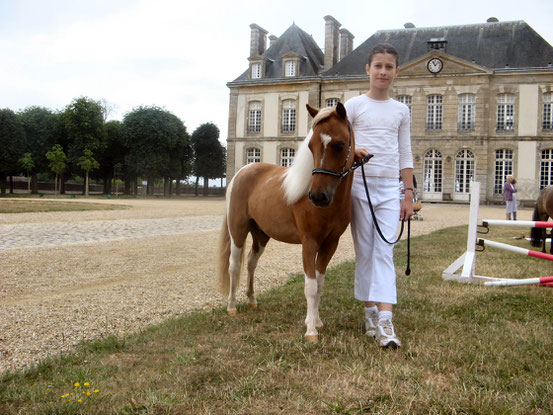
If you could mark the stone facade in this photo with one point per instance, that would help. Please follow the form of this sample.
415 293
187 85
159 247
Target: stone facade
465 143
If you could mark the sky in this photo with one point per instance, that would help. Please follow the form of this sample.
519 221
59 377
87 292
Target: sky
179 55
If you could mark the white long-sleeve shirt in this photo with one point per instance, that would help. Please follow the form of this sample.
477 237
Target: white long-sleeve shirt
383 129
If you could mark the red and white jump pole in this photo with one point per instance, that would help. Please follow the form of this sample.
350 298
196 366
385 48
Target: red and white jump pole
545 281
467 261
522 223
516 249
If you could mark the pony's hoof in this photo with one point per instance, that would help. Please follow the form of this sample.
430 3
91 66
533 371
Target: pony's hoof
312 338
252 305
232 312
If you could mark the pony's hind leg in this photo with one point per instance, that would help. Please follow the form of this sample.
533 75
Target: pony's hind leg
260 240
234 271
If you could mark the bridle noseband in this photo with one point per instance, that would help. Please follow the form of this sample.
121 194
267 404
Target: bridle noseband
344 172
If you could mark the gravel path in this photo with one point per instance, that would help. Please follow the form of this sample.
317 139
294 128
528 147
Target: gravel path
72 276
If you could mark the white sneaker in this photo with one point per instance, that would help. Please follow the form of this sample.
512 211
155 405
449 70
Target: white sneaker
385 334
370 324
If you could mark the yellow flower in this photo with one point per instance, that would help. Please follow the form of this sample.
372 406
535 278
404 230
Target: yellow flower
76 384
88 393
86 384
80 400
96 390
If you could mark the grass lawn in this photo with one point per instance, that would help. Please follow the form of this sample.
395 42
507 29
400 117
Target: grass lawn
26 206
468 349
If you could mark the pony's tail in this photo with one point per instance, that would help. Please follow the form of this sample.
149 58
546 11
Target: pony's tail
224 260
536 234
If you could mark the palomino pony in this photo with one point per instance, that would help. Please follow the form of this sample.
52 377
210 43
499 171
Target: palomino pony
542 211
293 205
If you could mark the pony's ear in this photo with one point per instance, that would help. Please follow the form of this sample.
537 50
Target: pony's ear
341 110
311 110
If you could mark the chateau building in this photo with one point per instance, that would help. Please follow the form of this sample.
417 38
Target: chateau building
480 96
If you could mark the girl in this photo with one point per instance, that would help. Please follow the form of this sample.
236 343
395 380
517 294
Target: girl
382 127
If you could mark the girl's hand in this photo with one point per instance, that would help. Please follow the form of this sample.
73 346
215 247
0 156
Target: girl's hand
360 153
407 207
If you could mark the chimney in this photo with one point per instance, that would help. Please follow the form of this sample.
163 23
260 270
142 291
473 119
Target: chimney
346 43
331 41
258 40
272 40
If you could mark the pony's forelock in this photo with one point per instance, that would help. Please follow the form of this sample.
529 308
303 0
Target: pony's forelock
323 114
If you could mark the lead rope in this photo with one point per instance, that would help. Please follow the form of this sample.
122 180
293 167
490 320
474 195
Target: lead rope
408 269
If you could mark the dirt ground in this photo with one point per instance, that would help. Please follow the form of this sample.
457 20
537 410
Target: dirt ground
52 297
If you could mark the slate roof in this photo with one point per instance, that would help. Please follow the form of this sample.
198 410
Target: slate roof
492 45
293 40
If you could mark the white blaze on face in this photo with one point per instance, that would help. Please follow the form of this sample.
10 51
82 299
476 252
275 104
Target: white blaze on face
325 138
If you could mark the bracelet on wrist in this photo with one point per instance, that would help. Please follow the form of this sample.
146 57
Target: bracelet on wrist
408 188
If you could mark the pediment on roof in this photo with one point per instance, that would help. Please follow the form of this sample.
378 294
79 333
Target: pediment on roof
452 65
290 55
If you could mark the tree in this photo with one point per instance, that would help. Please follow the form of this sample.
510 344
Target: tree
112 154
87 163
154 138
57 162
40 125
27 163
12 146
84 123
209 154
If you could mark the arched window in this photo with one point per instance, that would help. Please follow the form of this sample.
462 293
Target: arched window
546 168
253 155
505 112
434 112
432 172
547 122
503 167
287 156
464 171
288 116
254 118
467 107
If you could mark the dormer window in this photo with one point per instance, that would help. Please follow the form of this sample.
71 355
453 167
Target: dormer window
256 71
437 44
257 67
290 68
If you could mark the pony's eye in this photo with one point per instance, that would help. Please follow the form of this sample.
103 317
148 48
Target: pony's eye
338 147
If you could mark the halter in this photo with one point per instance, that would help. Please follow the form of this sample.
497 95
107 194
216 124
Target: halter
344 172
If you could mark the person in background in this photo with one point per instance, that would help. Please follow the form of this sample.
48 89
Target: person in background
510 197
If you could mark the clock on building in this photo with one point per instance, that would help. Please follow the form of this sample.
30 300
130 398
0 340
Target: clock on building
435 65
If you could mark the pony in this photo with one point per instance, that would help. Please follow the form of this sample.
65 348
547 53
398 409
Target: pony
542 211
308 203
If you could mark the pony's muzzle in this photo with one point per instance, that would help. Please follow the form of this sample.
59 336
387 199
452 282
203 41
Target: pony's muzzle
320 199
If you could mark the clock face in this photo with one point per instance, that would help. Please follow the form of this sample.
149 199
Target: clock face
435 65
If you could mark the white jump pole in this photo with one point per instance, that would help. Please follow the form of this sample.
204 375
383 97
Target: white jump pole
522 223
545 281
468 259
515 249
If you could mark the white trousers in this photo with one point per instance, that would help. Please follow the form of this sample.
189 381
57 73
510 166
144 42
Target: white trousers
375 275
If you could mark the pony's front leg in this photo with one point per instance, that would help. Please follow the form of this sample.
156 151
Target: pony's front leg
311 293
320 285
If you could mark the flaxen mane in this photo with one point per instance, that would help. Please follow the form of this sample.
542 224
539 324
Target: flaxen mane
297 178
